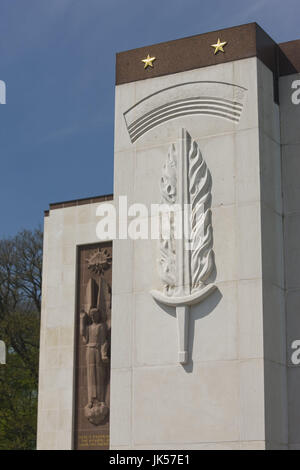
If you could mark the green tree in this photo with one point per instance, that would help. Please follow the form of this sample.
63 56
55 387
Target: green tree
20 304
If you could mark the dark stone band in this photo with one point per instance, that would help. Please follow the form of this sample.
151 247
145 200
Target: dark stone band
194 52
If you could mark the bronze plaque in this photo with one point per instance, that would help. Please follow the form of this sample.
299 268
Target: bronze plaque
93 325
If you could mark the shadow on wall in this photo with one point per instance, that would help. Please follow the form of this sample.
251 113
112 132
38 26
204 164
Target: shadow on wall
197 312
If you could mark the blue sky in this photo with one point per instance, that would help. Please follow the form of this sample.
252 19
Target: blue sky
57 58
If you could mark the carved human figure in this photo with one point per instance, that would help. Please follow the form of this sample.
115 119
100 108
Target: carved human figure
93 331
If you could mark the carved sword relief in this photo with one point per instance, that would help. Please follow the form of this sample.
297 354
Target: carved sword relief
186 258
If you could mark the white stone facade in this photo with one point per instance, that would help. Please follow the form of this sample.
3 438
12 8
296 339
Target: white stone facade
290 155
238 390
218 399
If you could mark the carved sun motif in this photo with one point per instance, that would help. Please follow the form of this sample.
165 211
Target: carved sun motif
99 261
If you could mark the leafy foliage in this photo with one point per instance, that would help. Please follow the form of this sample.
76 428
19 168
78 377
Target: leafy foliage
20 303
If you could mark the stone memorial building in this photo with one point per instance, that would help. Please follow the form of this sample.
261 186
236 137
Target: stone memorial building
189 340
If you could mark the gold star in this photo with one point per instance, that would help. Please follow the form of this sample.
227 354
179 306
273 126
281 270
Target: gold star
219 46
148 61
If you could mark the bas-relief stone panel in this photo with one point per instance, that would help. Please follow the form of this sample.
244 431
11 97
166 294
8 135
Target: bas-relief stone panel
93 325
